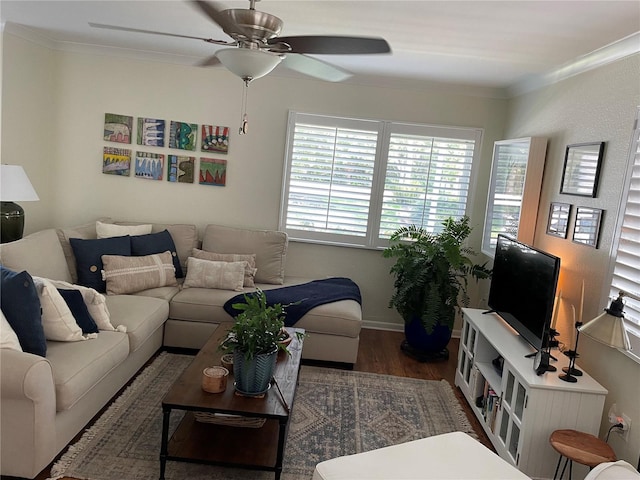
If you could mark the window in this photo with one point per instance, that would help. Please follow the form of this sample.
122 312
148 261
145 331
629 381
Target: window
514 190
354 182
626 266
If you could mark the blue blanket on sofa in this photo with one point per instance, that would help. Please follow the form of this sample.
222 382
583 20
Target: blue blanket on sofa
299 299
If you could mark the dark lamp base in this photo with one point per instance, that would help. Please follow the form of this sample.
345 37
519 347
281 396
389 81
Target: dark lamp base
11 222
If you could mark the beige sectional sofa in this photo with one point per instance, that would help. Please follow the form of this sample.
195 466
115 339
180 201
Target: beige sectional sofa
45 402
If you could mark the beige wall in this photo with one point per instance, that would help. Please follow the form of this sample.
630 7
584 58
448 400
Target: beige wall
595 106
28 112
67 170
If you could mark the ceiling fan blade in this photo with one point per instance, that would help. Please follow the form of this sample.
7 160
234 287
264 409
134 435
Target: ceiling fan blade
214 11
153 32
315 68
211 61
330 45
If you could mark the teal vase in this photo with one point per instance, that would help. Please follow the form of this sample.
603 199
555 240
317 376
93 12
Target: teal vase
253 377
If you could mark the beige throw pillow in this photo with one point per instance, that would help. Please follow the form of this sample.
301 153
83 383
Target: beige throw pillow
249 271
8 337
57 320
95 302
209 274
134 274
107 230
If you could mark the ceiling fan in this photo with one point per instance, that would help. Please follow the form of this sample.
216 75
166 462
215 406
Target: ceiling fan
256 47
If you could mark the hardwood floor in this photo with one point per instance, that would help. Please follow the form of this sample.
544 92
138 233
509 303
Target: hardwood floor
380 353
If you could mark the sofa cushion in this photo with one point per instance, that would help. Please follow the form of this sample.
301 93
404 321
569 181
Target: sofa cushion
39 254
209 274
107 230
58 322
21 306
94 302
164 293
269 247
79 310
88 255
141 315
156 243
8 338
249 270
78 366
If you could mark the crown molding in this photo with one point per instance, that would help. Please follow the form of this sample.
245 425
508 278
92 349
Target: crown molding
608 54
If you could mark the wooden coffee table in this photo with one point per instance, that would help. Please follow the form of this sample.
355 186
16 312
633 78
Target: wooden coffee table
253 448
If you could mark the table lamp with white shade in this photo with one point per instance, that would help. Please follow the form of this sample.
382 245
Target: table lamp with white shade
608 327
14 187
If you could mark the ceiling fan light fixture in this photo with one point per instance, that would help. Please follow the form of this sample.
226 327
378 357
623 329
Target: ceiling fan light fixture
248 64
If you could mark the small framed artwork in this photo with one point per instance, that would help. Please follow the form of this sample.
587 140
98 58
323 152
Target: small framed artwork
214 139
558 222
149 166
183 135
582 163
117 128
587 227
213 172
181 169
151 132
116 161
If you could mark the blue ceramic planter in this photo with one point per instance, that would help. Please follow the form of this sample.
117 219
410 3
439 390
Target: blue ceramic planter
419 339
253 377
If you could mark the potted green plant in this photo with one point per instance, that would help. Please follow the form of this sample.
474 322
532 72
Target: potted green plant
431 275
255 339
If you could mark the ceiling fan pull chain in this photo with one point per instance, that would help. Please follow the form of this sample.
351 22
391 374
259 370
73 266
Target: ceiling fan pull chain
244 121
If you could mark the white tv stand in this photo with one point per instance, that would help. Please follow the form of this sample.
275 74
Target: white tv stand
520 409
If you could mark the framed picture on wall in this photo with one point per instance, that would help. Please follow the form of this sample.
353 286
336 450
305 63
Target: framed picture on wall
582 163
587 227
558 222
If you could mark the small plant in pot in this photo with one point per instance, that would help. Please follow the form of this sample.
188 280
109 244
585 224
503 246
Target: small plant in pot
431 276
255 340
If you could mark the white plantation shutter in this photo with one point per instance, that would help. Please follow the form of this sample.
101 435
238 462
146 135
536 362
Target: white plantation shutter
626 269
507 183
427 180
354 182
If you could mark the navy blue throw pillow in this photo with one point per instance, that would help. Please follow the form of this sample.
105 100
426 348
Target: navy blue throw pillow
156 243
20 304
89 253
79 310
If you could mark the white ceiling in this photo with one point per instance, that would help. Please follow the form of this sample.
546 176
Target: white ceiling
489 44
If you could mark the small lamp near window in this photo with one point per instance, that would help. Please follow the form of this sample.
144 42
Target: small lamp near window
608 327
14 186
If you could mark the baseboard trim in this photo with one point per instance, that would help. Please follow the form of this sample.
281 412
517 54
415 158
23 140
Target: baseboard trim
394 327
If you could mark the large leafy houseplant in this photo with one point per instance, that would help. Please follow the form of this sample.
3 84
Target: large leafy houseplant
431 272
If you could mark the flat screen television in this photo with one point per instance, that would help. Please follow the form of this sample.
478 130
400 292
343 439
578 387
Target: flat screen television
523 288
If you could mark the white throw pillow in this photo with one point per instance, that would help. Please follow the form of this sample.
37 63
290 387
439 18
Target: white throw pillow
209 274
95 302
107 230
8 338
57 320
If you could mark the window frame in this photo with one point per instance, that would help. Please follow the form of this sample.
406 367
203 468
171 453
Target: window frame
384 129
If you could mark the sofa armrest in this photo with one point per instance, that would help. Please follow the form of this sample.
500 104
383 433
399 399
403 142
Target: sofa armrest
27 413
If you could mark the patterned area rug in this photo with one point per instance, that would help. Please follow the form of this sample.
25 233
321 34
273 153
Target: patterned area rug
336 413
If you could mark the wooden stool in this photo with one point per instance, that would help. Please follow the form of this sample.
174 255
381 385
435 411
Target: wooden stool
579 447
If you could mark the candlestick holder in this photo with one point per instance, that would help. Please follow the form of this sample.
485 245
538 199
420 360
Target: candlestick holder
570 372
553 333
